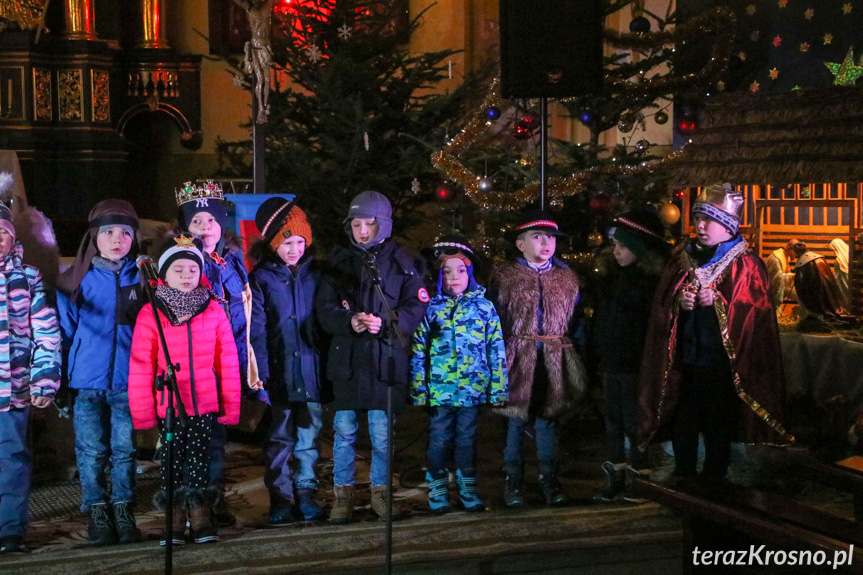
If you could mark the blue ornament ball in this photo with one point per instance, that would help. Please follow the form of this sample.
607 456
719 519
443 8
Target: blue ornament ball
492 112
639 24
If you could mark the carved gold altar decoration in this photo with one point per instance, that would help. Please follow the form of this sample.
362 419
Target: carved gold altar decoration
42 94
101 96
27 13
71 97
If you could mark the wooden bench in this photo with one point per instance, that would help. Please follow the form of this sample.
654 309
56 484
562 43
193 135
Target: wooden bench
734 521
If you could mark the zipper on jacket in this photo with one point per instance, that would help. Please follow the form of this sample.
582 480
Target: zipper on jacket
192 368
116 315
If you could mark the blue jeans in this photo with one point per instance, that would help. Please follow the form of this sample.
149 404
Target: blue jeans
103 427
293 432
345 436
15 472
450 425
546 436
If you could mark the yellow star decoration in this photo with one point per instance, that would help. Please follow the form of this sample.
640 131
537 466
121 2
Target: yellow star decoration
804 47
742 55
846 72
774 73
754 86
751 9
720 85
184 242
846 8
828 39
809 14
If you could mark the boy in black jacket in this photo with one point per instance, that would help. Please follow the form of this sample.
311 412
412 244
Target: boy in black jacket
623 299
366 353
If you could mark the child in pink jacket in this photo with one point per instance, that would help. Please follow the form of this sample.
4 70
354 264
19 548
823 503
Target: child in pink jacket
200 340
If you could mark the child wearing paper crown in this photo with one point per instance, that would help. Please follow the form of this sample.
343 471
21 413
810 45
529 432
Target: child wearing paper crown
200 341
30 376
366 355
98 299
286 341
458 364
536 296
623 295
202 212
712 362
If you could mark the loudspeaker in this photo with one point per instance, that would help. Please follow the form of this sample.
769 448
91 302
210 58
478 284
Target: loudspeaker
550 48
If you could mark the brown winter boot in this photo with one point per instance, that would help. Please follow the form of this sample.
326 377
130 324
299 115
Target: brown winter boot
202 526
178 527
343 506
379 503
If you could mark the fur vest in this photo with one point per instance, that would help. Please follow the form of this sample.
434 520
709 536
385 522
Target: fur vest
517 291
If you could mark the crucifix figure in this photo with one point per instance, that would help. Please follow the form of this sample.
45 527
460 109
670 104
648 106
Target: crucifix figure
258 54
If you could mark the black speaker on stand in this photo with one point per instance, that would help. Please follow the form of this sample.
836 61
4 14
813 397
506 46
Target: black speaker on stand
550 49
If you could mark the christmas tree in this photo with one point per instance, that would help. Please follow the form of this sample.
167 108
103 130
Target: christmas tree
495 157
351 109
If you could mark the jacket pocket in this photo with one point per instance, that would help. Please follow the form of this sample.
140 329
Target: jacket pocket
339 360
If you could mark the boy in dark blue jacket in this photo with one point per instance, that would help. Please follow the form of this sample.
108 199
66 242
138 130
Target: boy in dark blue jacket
283 336
98 299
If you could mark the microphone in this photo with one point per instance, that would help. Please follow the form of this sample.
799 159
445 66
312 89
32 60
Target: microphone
147 270
372 267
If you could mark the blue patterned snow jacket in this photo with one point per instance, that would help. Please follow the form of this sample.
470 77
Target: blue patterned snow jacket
458 353
29 335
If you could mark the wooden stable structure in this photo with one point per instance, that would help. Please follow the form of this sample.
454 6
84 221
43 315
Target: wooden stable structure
798 158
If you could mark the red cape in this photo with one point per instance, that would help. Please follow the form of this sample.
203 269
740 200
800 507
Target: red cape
742 304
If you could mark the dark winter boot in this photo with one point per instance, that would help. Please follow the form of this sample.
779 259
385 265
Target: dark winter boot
512 488
343 505
100 528
281 510
550 487
467 492
629 494
178 528
438 484
202 525
614 482
124 521
308 505
221 516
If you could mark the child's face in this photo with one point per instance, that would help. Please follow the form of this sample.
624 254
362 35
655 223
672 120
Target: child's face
184 275
364 230
537 246
114 243
6 243
710 232
622 254
455 278
205 226
292 249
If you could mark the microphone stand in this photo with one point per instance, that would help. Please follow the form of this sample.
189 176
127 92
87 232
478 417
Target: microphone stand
372 269
167 381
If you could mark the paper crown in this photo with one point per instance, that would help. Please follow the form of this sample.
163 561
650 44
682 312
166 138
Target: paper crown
189 192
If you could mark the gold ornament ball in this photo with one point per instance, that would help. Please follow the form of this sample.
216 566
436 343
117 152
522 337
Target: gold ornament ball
594 240
669 214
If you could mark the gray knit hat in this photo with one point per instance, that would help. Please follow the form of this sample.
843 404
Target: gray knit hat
373 204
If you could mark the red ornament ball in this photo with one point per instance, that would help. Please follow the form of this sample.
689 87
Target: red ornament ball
522 130
444 192
600 204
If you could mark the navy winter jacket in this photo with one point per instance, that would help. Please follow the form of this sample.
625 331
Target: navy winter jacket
97 327
228 279
284 330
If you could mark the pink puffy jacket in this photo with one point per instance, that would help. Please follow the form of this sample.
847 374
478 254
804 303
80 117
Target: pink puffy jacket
210 383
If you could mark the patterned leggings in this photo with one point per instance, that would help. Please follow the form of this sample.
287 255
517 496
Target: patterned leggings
191 453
